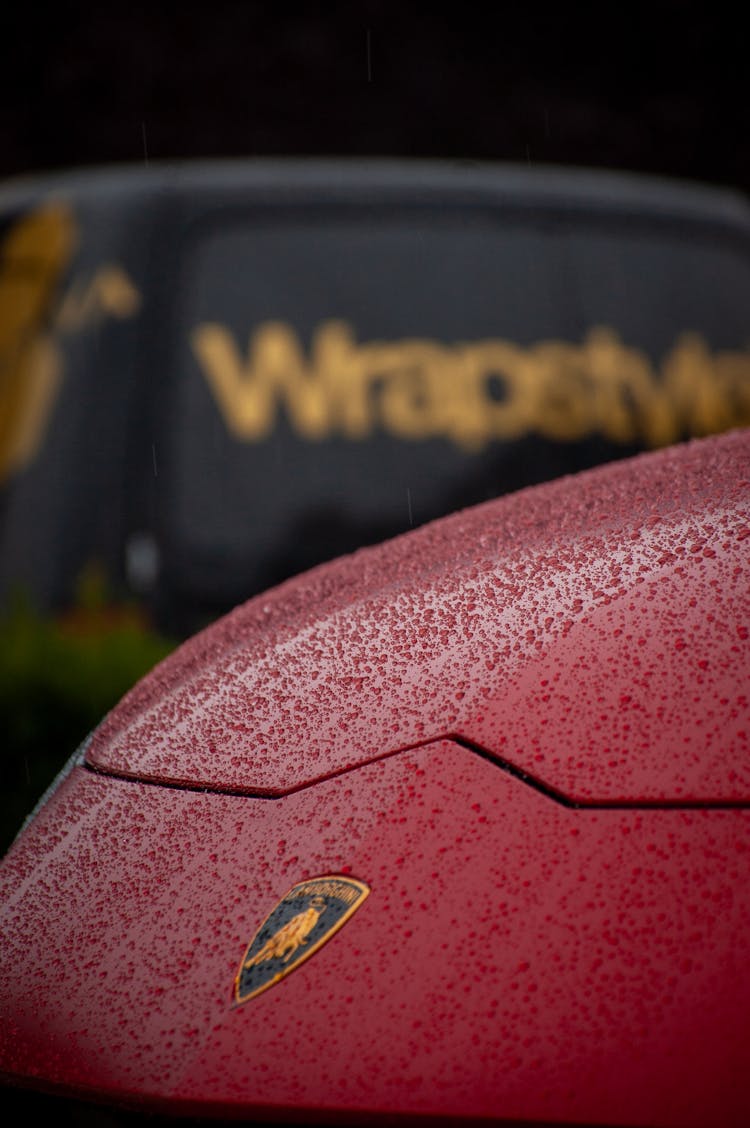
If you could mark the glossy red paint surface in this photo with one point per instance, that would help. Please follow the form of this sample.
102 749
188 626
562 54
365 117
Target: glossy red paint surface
587 631
514 958
517 957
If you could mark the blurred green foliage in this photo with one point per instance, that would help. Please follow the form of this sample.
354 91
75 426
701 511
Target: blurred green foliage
58 678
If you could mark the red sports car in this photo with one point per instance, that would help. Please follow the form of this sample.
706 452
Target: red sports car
456 826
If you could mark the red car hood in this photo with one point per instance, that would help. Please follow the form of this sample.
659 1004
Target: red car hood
574 951
584 633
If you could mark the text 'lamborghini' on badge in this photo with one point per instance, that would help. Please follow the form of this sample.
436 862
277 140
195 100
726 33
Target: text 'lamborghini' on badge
303 920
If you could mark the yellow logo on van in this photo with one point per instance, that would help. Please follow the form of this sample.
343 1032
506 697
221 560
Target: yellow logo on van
470 393
35 258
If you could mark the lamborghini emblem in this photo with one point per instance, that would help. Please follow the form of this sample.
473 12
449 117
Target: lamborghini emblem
303 920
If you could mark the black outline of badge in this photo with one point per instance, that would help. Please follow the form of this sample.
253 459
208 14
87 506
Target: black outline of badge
312 888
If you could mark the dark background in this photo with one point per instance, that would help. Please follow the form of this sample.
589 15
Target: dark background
658 87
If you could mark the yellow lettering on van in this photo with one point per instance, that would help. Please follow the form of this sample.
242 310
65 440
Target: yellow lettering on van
471 393
247 390
696 383
409 378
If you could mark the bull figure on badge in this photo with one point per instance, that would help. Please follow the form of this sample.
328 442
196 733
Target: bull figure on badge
290 938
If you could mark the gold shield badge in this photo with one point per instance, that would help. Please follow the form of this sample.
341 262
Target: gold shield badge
309 915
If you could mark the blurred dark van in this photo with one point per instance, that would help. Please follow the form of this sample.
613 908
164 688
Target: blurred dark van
216 375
